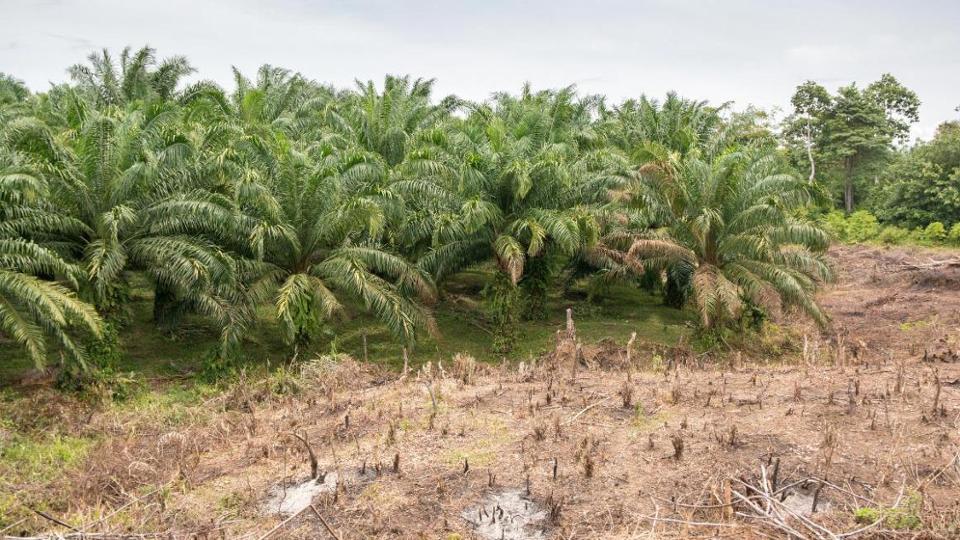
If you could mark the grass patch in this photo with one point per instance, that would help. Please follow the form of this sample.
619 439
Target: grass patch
622 310
643 422
153 354
28 460
906 516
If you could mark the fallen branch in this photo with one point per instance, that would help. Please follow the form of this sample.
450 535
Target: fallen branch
655 519
932 265
283 523
585 409
325 524
53 519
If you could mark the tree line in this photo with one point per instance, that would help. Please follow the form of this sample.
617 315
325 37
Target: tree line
288 193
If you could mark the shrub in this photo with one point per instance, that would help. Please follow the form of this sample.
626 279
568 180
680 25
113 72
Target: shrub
954 235
935 233
892 235
861 226
100 379
835 223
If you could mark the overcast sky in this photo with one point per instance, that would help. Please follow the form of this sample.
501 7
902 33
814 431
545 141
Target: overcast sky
748 51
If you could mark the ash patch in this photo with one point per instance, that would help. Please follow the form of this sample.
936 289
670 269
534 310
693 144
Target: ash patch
800 502
289 499
508 515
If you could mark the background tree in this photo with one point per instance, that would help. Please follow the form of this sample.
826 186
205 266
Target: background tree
922 185
851 132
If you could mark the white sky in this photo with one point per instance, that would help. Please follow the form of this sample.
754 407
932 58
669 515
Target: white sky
748 51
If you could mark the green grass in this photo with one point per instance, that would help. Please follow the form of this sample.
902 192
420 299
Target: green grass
619 311
33 460
615 315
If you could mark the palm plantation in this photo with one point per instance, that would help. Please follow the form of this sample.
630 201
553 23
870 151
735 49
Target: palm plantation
308 203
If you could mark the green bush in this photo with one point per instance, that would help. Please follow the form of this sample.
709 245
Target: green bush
100 379
935 233
862 226
892 235
835 223
904 516
954 235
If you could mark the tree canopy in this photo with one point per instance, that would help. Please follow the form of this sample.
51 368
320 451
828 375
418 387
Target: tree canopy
852 131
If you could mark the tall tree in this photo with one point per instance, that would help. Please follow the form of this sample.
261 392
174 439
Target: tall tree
922 184
853 130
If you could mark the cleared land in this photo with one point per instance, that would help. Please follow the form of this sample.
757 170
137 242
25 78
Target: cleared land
658 440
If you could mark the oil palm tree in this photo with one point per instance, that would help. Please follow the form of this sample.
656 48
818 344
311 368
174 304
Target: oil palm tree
136 77
370 132
36 305
310 185
727 220
317 248
647 131
125 177
643 126
511 184
385 122
15 98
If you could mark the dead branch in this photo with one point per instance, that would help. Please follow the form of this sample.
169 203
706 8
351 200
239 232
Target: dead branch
314 473
324 522
585 409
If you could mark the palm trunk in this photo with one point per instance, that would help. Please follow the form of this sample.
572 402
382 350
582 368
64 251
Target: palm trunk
165 306
505 312
676 288
535 284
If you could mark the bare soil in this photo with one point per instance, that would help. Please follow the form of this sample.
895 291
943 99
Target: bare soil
657 443
896 301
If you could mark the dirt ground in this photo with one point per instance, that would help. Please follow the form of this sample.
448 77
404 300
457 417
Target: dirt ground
895 301
640 442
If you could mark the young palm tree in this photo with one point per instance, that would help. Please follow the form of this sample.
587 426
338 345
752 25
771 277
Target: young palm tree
510 184
316 245
728 222
125 176
34 306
